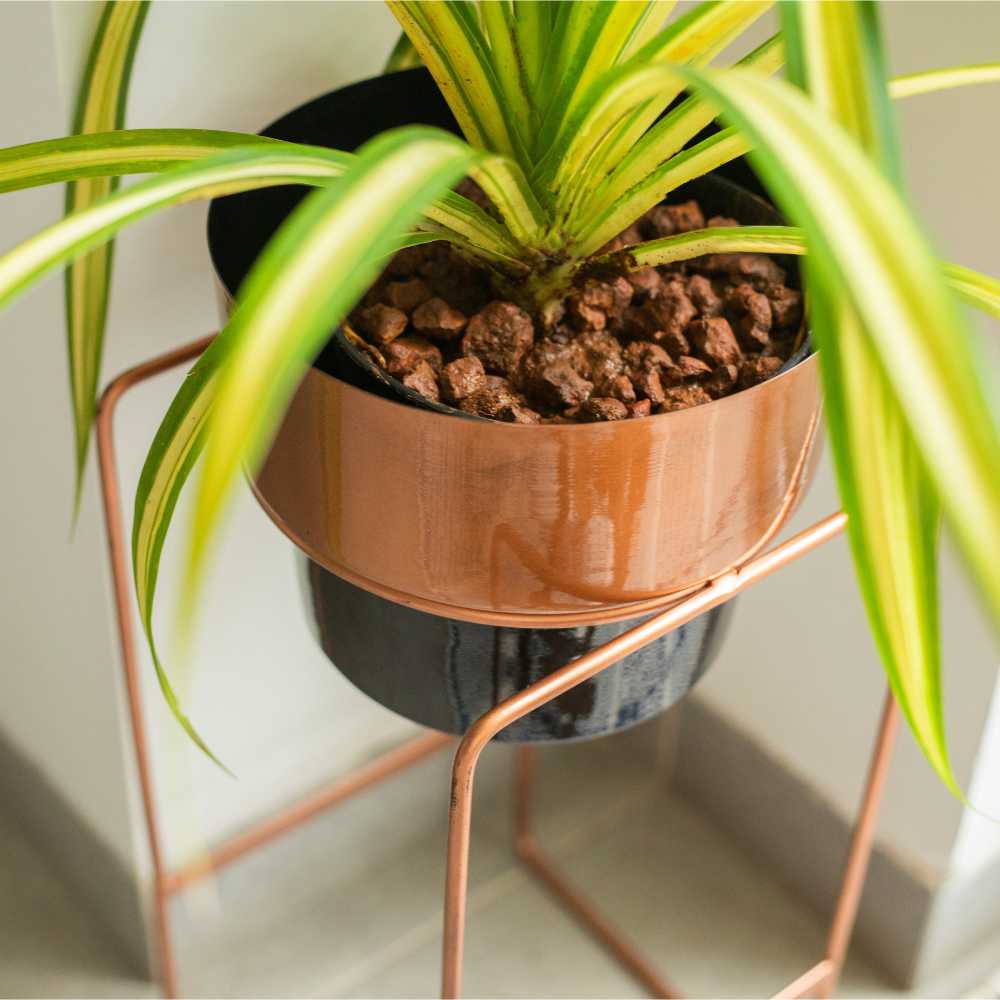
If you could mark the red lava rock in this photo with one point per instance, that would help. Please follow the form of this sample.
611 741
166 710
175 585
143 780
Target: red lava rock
689 367
408 261
714 341
646 281
500 336
718 221
602 356
649 386
374 295
652 341
667 220
438 320
519 414
621 388
461 378
754 370
423 380
753 267
643 356
405 353
673 342
498 401
456 281
600 408
669 313
750 312
721 381
786 307
704 296
382 324
406 295
546 352
681 397
779 347
621 291
626 238
599 303
560 385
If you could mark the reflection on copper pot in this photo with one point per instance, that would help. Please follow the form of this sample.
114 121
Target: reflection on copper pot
546 524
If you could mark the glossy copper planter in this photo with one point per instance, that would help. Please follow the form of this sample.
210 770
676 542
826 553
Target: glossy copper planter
517 527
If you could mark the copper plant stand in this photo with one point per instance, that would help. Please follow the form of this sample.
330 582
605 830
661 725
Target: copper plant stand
819 980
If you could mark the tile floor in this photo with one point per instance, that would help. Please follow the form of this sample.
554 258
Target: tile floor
315 916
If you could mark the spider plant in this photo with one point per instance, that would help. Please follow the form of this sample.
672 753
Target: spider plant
577 118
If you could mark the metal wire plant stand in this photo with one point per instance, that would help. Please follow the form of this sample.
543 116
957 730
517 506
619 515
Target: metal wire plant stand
819 980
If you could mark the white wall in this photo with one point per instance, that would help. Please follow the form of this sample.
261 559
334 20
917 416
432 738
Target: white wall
799 669
58 691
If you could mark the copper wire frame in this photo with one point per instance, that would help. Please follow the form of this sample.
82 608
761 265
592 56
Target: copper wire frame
819 980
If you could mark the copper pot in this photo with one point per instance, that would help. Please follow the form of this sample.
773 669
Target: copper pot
527 527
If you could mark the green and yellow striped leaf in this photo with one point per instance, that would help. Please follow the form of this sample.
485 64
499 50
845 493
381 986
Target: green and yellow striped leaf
101 107
452 47
317 265
312 272
979 290
403 56
115 154
932 80
695 161
243 167
176 446
870 263
893 510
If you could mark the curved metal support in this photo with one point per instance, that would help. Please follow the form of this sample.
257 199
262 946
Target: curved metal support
118 558
861 845
558 683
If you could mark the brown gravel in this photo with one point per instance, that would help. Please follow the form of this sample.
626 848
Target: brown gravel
657 340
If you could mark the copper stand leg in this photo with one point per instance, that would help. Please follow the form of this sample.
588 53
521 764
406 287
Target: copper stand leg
557 683
584 911
126 637
823 976
861 845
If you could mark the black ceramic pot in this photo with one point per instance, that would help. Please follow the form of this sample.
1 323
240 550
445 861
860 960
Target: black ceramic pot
445 674
436 671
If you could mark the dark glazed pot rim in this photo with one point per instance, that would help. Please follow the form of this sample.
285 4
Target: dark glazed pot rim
305 124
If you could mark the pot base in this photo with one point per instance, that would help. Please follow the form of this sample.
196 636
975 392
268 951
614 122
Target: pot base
445 674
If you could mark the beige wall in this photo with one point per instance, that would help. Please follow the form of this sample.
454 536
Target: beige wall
799 670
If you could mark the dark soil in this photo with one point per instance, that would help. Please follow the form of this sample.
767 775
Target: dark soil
652 341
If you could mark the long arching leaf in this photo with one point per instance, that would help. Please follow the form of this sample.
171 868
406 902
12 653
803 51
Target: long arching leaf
695 161
454 51
115 154
893 510
172 455
101 106
241 169
312 272
864 244
930 81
